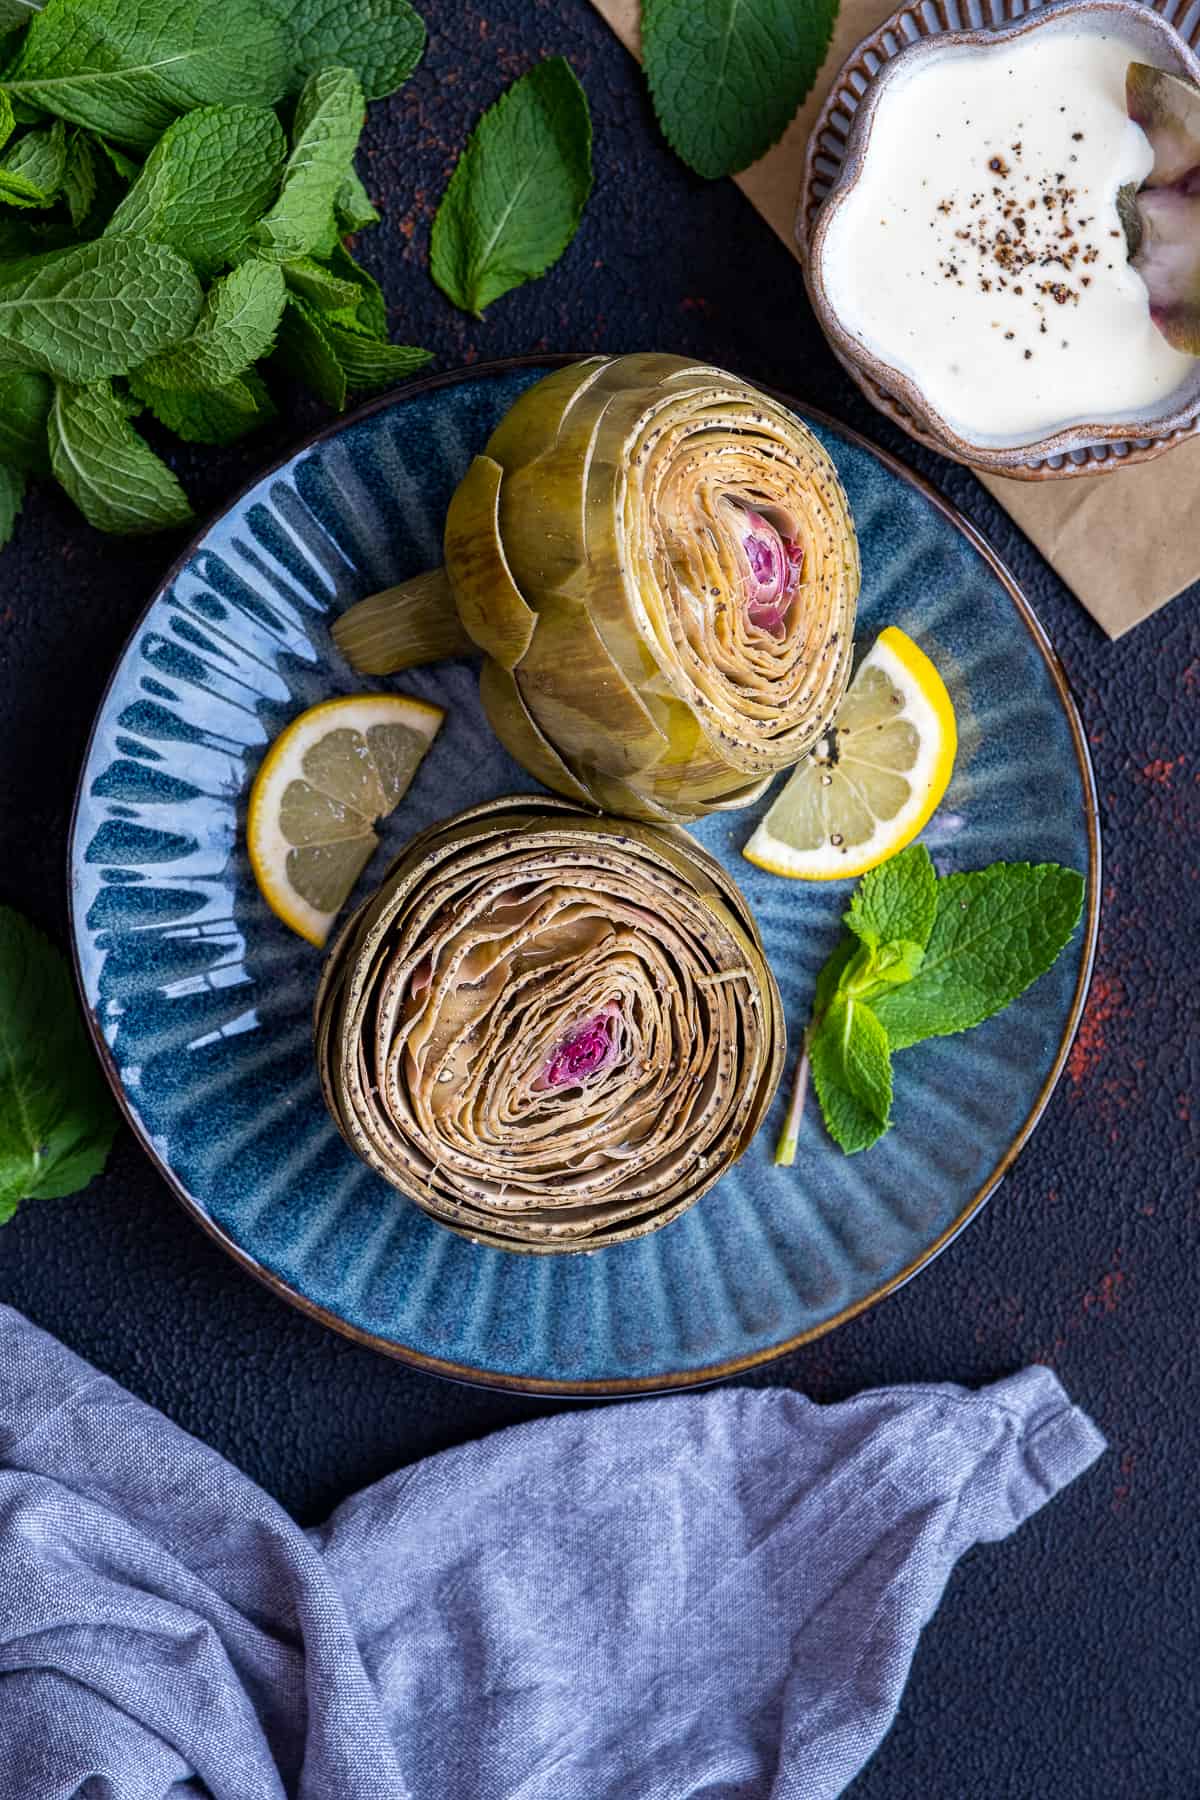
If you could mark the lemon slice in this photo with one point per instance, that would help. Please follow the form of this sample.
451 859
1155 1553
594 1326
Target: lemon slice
873 781
323 784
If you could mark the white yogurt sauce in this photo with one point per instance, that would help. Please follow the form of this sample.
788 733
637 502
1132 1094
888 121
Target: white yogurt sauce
980 252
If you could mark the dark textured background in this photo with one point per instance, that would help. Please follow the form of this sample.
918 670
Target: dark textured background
1062 1663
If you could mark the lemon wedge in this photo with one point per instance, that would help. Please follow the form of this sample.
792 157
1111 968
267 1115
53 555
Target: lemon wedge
322 786
872 782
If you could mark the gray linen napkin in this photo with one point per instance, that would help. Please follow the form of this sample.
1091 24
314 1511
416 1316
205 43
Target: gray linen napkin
696 1598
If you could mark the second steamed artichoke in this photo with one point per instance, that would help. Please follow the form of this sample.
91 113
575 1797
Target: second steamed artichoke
552 1032
660 566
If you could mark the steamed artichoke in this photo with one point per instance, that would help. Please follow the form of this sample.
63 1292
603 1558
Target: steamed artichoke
660 566
551 1031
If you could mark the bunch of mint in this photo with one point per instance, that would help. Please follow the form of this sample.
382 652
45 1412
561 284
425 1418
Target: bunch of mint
923 958
162 235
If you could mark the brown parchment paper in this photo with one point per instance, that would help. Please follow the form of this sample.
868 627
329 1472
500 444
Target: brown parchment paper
1126 542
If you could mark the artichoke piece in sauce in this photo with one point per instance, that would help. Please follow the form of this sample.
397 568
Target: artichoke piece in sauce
1162 218
660 566
551 1031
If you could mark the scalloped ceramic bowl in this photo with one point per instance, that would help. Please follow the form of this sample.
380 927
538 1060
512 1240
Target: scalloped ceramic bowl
839 147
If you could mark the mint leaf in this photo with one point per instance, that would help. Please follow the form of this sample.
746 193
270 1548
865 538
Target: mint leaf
96 310
24 403
518 190
125 68
862 973
332 357
856 1050
343 291
896 900
304 351
852 1073
79 180
57 1120
995 931
850 1125
890 966
341 348
353 205
92 185
12 493
315 282
381 40
237 326
15 13
212 415
367 363
369 310
32 169
726 76
7 121
325 132
122 165
206 184
114 478
829 980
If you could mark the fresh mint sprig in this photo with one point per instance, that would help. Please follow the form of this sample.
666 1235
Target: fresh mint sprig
922 958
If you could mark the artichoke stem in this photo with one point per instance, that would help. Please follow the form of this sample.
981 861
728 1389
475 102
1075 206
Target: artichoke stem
403 627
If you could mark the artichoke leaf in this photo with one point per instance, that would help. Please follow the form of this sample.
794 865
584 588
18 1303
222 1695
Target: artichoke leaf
1168 261
1163 226
523 738
489 602
612 795
668 799
580 697
1167 107
538 415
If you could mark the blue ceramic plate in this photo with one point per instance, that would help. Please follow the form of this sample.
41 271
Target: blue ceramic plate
199 998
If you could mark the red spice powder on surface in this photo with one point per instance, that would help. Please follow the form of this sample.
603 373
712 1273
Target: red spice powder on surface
1104 1003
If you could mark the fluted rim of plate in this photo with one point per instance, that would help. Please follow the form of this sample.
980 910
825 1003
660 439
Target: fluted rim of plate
600 1388
898 395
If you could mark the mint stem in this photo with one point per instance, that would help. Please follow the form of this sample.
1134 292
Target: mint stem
789 1137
